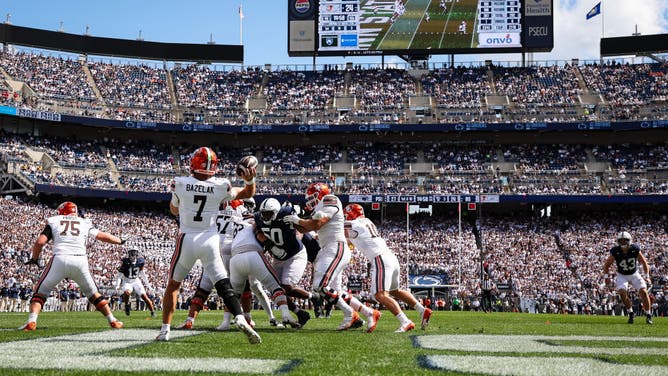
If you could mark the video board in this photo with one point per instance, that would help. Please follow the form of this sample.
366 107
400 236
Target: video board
386 27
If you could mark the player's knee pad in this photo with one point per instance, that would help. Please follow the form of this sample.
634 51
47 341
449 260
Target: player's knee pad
346 297
38 298
224 288
329 295
278 296
99 302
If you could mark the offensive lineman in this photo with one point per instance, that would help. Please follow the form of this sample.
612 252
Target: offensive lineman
289 254
626 255
196 199
70 234
334 255
385 270
129 278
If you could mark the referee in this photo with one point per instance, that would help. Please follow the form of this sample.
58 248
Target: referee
487 287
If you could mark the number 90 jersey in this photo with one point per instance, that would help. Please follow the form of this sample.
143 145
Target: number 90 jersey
627 262
69 233
362 233
199 202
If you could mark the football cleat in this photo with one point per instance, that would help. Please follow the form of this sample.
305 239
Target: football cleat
224 326
163 336
127 310
405 328
291 323
303 317
373 321
252 335
648 319
274 322
631 316
29 326
426 314
353 321
152 313
187 325
116 324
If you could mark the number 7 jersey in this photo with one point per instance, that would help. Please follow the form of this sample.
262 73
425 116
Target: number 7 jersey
199 202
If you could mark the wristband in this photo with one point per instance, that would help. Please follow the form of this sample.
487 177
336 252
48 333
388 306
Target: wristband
249 182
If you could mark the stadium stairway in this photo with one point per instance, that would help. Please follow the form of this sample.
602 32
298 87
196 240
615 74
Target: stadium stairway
114 174
91 81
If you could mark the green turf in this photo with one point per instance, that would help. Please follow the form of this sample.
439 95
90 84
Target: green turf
318 349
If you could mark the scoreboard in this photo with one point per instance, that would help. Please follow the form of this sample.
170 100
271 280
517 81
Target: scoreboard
339 25
419 27
499 23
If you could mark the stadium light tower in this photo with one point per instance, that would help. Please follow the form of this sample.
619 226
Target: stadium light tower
139 38
60 28
87 33
7 19
211 41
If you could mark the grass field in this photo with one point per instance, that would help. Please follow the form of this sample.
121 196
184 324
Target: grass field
455 343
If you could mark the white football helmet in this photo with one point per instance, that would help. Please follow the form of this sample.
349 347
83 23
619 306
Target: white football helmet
624 239
269 209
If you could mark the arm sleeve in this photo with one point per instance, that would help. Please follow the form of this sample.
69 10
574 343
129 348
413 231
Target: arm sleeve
47 232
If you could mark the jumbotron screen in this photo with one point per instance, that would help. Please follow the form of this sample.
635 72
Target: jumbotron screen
369 27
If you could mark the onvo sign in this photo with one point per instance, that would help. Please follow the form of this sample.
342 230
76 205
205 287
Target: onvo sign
499 40
538 355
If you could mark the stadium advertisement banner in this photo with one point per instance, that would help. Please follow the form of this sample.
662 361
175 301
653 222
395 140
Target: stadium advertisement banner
538 32
4 110
444 199
41 115
363 128
427 280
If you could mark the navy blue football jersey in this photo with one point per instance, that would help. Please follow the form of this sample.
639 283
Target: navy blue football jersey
312 246
627 262
129 269
281 233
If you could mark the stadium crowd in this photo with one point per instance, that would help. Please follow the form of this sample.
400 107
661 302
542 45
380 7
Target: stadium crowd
517 252
227 95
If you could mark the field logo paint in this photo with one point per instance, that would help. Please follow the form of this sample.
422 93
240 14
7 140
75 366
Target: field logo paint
90 351
535 364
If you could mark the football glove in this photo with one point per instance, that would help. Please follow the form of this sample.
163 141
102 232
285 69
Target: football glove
291 219
32 261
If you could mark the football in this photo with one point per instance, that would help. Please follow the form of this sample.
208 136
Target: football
245 164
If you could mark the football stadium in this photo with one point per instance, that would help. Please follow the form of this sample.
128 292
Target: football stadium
168 208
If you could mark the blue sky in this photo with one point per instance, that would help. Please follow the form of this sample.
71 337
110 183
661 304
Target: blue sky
265 24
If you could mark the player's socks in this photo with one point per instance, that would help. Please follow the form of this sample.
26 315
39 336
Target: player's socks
419 307
32 317
403 319
110 317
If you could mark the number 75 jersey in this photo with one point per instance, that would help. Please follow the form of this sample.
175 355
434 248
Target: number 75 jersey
199 202
70 234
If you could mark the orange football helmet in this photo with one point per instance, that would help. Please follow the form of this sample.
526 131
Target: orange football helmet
315 193
204 162
353 211
235 203
67 208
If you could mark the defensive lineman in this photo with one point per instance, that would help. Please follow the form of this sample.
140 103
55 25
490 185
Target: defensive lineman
196 200
70 234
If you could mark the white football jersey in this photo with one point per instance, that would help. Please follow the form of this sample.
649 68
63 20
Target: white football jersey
70 234
230 221
332 231
365 237
245 241
199 202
